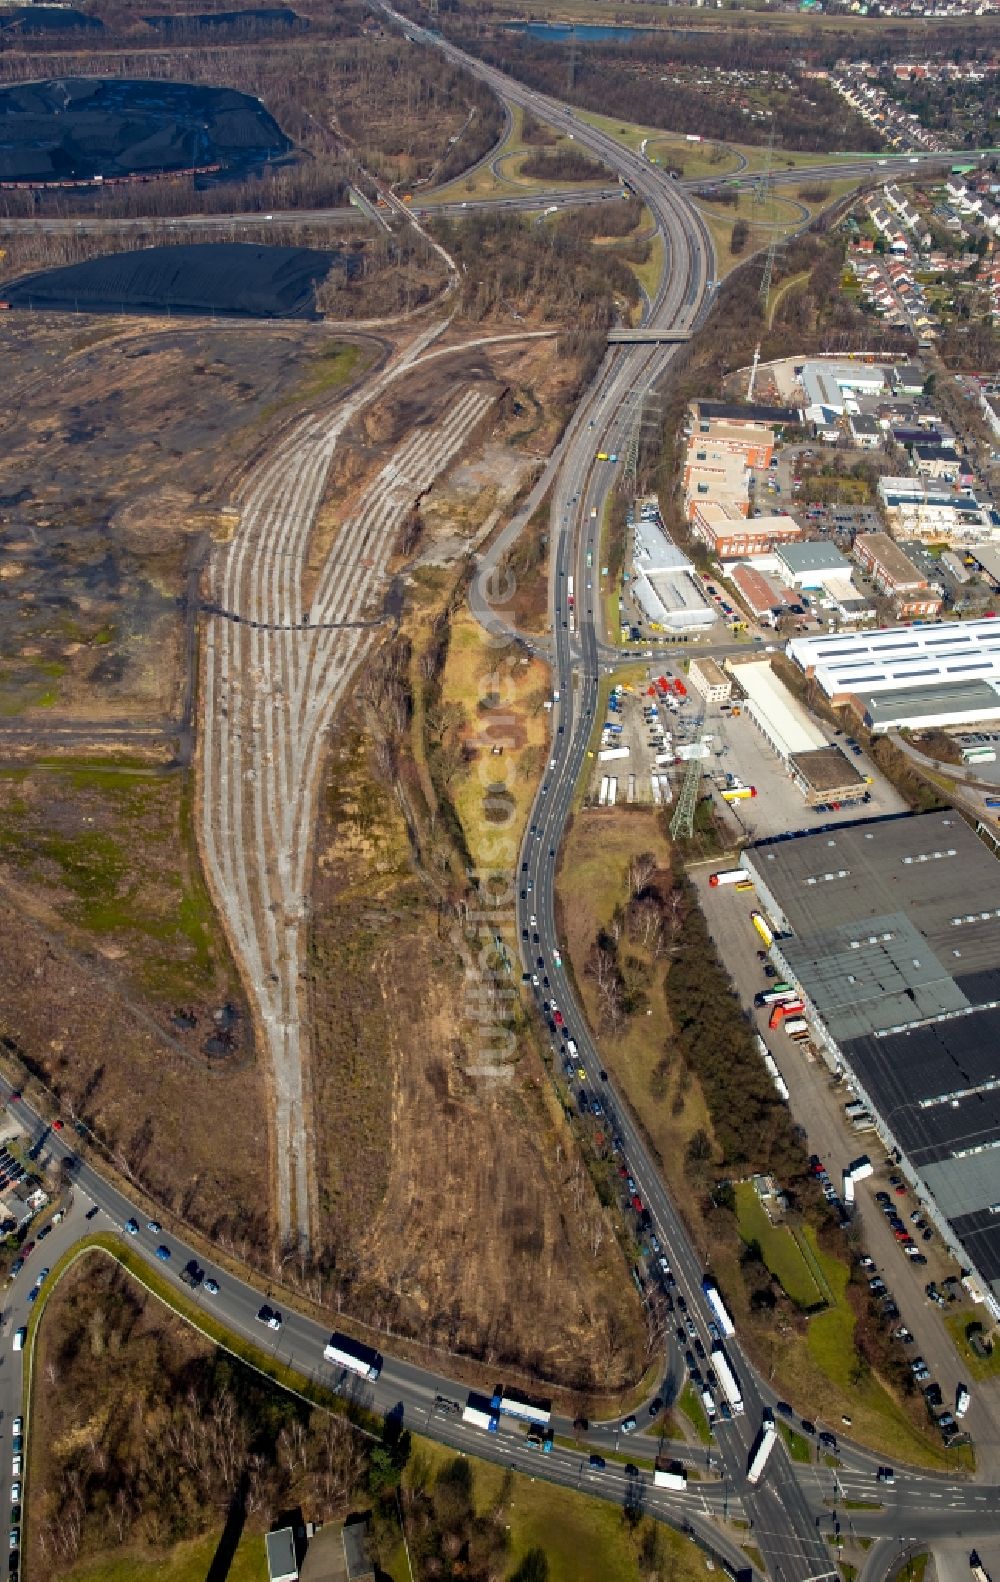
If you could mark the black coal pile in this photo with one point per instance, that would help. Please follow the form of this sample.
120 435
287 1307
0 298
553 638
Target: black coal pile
217 278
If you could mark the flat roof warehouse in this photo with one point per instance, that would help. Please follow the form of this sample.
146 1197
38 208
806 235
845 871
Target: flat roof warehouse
892 930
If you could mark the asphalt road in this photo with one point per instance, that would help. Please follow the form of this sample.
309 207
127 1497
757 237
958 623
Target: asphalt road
786 1508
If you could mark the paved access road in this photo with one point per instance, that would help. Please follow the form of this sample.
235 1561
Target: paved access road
917 1507
784 1521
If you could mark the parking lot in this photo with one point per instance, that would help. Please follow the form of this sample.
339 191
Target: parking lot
785 487
738 748
816 1101
632 730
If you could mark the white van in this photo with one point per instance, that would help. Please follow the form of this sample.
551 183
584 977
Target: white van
20 1336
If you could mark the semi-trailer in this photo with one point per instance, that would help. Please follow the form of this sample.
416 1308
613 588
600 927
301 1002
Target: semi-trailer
727 1378
672 1477
512 1403
762 1449
612 791
606 754
795 1025
728 876
343 1352
777 991
481 1412
780 1085
783 1010
718 1306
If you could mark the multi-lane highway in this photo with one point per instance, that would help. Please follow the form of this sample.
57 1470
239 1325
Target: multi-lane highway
789 1508
918 1507
784 1523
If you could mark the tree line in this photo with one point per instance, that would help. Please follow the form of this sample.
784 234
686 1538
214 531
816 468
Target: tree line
625 80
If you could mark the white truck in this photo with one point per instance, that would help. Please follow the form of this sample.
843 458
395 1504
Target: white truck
708 1403
762 1449
481 1413
606 754
719 1310
673 1477
727 1378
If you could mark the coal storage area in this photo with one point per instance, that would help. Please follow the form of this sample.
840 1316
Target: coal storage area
47 19
254 20
77 129
220 278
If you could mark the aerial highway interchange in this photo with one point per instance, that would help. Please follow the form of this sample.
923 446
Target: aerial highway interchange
259 750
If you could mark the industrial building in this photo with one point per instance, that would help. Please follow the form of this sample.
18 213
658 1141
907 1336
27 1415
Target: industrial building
831 388
822 773
663 584
930 669
762 597
890 928
707 677
728 533
895 576
811 564
913 708
703 413
935 513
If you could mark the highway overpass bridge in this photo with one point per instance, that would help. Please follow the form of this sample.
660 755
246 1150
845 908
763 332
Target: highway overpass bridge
646 335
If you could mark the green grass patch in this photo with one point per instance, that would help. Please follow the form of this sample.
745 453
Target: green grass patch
584 1539
977 1367
186 1562
862 1505
796 1444
779 1249
914 1569
331 369
650 273
689 1402
113 844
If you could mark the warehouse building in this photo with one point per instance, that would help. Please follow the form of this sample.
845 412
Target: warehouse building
822 773
763 599
832 388
781 720
914 708
890 658
664 585
811 564
896 577
891 929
